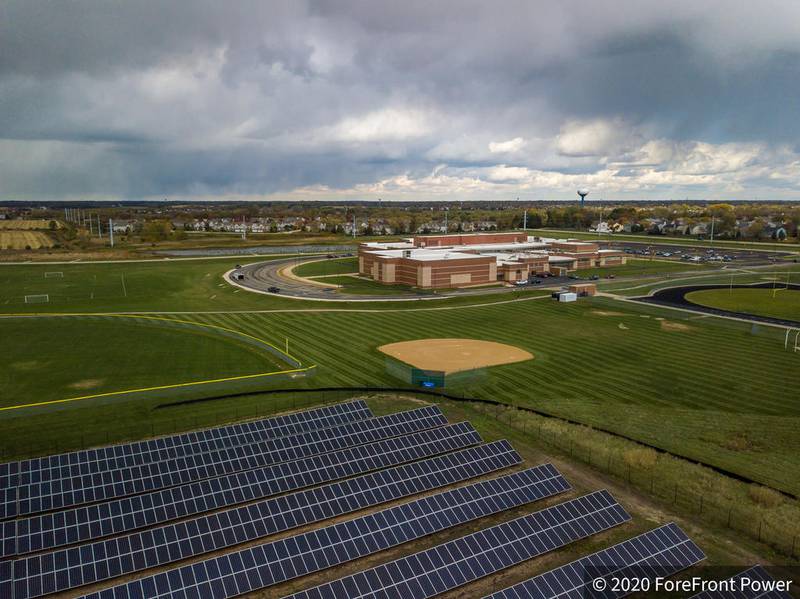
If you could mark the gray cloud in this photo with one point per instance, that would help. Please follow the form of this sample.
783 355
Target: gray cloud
416 99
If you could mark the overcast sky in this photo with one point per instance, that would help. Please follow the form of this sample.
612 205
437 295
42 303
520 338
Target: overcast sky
408 100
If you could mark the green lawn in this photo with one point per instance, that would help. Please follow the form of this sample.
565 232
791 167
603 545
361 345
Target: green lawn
361 286
49 359
690 389
168 285
778 303
336 266
701 379
638 267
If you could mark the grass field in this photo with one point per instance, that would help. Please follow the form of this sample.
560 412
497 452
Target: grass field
363 286
597 362
59 358
336 266
165 285
21 240
709 389
641 267
778 303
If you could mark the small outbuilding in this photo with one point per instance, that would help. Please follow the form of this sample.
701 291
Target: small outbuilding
583 289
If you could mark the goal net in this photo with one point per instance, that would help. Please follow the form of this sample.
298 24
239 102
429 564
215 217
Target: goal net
54 275
37 299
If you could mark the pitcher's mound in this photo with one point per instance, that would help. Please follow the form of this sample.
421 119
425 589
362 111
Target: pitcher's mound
454 355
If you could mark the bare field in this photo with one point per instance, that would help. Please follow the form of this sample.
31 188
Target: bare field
454 355
21 240
25 225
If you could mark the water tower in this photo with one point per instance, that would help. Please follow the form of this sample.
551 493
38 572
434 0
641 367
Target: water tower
583 192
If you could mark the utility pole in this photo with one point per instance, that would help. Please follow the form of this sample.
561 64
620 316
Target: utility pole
99 228
354 225
525 220
111 231
446 213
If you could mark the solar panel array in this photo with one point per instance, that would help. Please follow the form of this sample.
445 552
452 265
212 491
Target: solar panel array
457 562
85 517
91 488
284 559
85 523
754 573
14 474
70 568
657 553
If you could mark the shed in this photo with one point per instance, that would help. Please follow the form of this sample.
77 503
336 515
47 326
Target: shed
583 289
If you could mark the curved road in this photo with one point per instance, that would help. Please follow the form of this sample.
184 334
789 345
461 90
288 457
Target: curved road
259 276
675 297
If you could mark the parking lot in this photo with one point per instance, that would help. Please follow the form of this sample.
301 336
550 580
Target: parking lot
689 253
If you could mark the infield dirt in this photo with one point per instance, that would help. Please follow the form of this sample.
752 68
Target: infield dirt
454 355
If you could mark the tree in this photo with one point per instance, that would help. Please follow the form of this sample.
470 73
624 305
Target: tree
156 230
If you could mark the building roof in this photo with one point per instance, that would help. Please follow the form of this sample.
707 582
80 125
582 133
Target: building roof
427 255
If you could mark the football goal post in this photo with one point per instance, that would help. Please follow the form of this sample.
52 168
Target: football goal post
37 299
54 275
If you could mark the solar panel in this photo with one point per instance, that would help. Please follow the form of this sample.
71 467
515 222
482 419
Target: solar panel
657 553
86 523
92 488
70 568
466 559
14 474
760 586
291 557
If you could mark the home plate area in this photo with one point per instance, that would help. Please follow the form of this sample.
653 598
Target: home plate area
434 362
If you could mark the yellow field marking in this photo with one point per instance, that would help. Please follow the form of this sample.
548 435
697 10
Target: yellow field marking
160 387
173 386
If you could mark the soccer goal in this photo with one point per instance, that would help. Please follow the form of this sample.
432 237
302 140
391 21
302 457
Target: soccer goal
43 298
54 275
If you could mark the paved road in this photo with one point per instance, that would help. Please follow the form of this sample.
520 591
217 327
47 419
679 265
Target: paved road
259 276
675 297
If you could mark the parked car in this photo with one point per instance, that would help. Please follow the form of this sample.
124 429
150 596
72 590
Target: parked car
520 283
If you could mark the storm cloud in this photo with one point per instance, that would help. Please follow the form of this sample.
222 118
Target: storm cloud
413 100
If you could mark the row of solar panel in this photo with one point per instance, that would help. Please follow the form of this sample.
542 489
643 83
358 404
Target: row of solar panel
63 493
658 553
13 474
85 476
661 552
86 523
70 568
277 561
761 586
